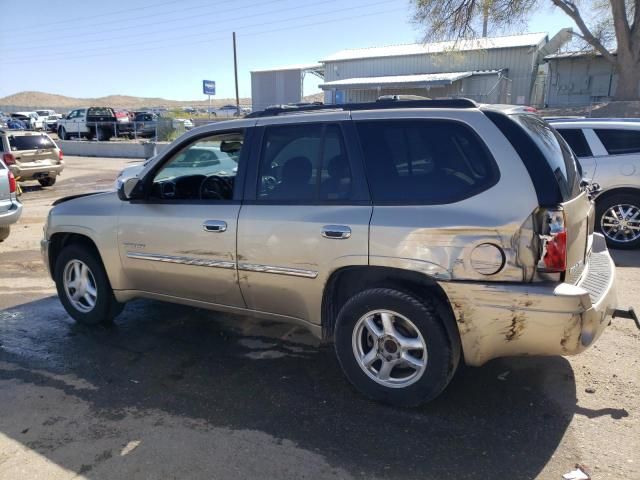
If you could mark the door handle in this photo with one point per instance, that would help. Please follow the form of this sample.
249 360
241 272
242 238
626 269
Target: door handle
216 226
337 232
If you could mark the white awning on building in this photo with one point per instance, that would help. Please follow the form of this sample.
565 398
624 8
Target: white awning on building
419 80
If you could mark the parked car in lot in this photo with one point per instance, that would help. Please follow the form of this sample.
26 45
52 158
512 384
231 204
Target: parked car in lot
145 124
412 234
93 122
609 152
10 206
182 123
31 119
31 156
230 111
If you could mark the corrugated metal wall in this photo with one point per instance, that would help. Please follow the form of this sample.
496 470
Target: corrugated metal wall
579 81
520 63
277 87
482 88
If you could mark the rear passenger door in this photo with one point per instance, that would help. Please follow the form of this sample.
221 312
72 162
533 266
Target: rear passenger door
306 214
621 166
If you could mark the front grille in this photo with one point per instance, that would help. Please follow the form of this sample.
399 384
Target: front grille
598 276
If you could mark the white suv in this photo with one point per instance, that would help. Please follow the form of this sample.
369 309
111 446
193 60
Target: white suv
609 152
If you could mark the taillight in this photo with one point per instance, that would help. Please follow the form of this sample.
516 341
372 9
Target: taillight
60 156
553 239
9 159
12 183
530 110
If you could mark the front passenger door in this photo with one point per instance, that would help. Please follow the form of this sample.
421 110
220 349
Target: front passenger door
180 241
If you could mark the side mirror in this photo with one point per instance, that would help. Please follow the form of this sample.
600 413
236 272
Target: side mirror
127 190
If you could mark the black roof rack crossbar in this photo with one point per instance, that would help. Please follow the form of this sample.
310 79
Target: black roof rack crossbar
379 105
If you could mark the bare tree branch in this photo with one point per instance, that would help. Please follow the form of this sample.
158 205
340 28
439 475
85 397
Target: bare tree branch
572 11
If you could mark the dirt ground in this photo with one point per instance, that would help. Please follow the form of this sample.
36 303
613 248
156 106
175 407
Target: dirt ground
177 392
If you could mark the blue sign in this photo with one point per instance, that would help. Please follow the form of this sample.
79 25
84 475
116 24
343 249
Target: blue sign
208 87
340 97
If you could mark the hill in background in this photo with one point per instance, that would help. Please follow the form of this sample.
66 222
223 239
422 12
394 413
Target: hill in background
42 100
61 102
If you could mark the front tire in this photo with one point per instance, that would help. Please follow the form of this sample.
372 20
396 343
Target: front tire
618 218
62 134
394 347
83 286
4 233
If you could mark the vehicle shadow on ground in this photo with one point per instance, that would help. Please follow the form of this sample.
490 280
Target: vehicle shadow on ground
626 258
506 417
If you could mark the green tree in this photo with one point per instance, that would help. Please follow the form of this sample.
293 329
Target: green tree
601 24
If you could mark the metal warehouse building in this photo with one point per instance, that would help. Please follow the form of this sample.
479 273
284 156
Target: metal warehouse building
491 70
277 86
579 78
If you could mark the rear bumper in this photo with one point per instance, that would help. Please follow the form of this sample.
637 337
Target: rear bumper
497 320
30 173
12 215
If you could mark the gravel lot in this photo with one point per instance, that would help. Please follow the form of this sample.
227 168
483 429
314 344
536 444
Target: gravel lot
176 392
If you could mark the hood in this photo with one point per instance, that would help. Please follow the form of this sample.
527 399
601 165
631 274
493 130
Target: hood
73 197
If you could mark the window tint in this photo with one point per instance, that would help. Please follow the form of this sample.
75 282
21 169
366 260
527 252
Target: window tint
30 142
576 140
619 141
555 151
424 161
304 163
203 170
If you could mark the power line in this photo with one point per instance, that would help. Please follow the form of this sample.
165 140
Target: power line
208 41
129 45
110 31
67 20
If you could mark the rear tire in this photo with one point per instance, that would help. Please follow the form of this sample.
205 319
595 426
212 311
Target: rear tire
47 182
83 286
623 208
384 326
4 233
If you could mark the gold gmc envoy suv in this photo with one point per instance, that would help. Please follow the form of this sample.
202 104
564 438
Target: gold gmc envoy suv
413 234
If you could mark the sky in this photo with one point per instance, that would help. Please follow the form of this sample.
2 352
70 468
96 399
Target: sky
161 48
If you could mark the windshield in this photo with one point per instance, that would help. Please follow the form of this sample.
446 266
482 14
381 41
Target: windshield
30 142
556 152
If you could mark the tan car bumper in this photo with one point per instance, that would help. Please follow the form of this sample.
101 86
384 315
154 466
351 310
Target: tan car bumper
498 320
40 171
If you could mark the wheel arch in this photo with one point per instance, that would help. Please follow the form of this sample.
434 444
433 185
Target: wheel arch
347 281
629 190
60 240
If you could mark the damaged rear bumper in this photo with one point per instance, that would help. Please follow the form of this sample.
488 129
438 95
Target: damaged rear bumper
497 320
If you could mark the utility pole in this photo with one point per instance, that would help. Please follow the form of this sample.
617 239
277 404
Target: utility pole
235 69
485 17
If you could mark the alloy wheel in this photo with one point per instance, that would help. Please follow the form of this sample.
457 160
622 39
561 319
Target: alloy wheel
389 348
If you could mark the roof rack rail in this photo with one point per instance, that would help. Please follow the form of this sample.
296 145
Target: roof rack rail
386 103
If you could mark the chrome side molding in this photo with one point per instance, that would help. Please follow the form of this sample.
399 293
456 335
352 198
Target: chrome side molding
295 272
199 262
203 262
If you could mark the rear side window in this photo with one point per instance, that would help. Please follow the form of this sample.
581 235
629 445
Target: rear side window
577 141
424 161
555 151
30 142
619 142
305 162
